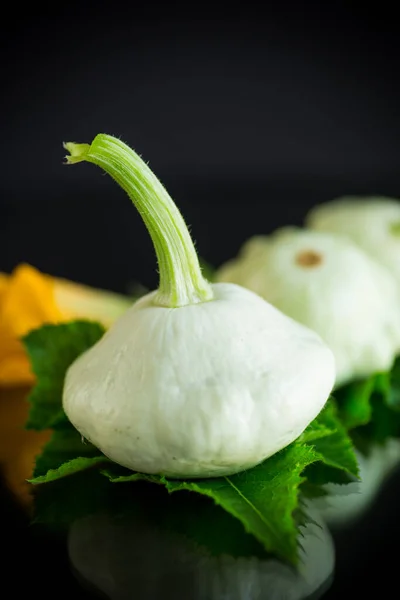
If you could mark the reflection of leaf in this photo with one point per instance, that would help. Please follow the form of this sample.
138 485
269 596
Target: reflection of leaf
51 350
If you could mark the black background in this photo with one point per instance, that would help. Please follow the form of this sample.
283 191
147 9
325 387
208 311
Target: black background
249 118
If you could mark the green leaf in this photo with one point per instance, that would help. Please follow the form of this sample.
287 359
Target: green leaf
264 498
316 429
333 443
354 400
66 453
392 390
52 349
336 448
384 424
73 466
370 409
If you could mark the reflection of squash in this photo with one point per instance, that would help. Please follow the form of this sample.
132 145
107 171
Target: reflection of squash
18 447
136 557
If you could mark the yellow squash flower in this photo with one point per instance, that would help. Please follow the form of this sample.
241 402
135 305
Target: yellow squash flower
29 298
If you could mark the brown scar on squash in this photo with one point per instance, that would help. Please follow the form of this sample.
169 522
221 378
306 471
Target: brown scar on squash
308 258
